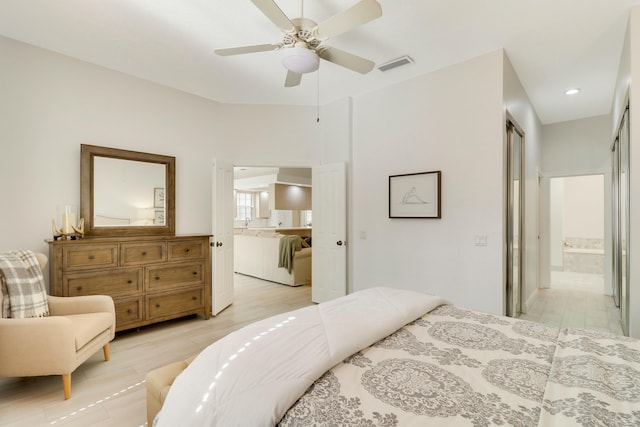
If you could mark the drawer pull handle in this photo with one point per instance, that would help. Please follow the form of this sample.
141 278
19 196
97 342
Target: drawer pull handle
129 311
157 277
92 257
186 250
195 273
129 281
194 298
157 305
79 288
144 254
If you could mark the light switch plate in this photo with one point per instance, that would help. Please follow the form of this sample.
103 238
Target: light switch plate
481 240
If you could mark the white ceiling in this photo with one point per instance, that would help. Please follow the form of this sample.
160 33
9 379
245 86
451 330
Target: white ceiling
553 45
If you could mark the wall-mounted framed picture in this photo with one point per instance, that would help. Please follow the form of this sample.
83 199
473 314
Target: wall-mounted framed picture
158 218
158 197
415 195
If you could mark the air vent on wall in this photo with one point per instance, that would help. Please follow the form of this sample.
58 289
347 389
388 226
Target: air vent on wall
398 62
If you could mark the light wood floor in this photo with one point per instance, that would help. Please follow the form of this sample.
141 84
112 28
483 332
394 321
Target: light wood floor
113 393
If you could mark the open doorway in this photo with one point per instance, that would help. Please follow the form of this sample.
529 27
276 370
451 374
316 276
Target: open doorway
329 258
515 218
272 229
577 233
573 291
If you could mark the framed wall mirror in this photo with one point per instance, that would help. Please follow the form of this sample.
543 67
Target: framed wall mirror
126 192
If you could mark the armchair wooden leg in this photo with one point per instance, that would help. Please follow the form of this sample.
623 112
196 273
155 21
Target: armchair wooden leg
66 385
107 353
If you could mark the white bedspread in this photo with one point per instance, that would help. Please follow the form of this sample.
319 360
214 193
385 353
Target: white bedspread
252 376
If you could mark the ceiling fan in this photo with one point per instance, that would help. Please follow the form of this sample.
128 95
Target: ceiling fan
301 39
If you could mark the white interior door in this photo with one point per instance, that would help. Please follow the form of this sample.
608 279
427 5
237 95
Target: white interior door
222 242
329 261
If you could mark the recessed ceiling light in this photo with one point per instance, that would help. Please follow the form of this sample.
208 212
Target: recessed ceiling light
572 91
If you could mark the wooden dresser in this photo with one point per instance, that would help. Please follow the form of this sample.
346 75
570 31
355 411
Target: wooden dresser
151 278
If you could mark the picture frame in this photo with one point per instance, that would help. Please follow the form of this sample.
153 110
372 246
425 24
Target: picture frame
415 195
158 218
158 197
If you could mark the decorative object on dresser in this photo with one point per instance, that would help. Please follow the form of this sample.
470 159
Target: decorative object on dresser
71 227
151 278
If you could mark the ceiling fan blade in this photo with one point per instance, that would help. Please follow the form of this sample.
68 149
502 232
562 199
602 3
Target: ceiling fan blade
227 51
293 79
346 59
275 14
356 15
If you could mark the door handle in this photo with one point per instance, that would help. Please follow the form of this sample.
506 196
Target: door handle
339 243
218 244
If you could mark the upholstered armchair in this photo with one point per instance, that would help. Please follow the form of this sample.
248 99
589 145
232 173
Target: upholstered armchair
75 329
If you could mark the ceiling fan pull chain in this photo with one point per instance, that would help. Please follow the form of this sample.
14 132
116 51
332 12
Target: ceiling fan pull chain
318 98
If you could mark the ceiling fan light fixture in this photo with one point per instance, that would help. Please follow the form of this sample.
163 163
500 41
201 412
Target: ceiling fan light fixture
300 59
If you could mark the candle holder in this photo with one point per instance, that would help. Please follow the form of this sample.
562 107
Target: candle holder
72 227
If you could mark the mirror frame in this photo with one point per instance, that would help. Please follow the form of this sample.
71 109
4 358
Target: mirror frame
87 155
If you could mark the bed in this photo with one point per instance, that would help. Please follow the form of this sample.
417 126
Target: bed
390 357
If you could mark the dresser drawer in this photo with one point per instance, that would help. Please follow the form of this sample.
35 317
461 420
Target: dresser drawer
186 250
159 277
129 311
85 257
142 253
105 282
187 300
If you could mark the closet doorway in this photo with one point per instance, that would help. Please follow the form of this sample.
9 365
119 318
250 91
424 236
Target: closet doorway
515 217
620 220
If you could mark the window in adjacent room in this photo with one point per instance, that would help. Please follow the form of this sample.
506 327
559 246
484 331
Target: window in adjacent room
306 218
244 206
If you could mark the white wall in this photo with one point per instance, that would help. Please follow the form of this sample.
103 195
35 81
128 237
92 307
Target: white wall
577 147
50 104
449 120
623 80
584 210
627 92
334 140
634 100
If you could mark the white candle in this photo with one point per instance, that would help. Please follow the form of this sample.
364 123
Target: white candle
68 219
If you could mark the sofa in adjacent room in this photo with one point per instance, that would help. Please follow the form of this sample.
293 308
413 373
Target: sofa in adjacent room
256 253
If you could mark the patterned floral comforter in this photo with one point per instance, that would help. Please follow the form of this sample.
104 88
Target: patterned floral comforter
456 367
